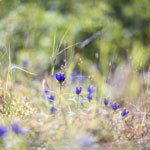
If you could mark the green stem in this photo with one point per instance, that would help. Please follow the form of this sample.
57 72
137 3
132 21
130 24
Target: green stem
61 108
60 95
78 104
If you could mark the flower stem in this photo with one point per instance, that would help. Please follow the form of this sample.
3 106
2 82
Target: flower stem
60 95
61 107
78 104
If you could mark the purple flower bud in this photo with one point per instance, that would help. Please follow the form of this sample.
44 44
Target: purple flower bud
124 112
25 62
53 109
90 96
60 77
90 89
115 106
51 97
78 90
106 101
46 91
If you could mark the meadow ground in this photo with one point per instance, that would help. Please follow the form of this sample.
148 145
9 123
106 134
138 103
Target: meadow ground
72 111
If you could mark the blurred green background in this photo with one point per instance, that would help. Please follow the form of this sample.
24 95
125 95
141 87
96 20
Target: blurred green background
107 32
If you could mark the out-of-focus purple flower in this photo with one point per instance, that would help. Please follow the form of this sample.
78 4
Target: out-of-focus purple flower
16 128
74 75
46 91
86 142
3 130
33 78
97 67
25 62
124 112
53 109
106 101
51 97
115 106
82 78
60 77
78 90
90 89
90 96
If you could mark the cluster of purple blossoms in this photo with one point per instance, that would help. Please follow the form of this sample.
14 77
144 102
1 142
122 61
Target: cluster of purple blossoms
115 106
49 97
17 129
14 127
60 77
90 90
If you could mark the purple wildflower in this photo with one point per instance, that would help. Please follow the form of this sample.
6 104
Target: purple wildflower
78 90
89 96
25 62
106 101
46 91
90 89
124 112
16 128
115 106
51 97
60 77
53 109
